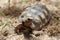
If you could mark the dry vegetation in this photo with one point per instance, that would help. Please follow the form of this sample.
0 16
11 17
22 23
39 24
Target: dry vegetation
9 19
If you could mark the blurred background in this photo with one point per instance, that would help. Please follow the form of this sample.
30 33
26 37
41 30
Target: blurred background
10 11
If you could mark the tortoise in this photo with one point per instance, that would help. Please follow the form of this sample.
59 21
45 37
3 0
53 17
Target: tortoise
37 14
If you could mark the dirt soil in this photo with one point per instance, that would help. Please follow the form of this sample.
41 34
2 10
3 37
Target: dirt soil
49 32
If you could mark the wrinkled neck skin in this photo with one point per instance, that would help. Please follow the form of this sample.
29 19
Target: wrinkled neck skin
27 27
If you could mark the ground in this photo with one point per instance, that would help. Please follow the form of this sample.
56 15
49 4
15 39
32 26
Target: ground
49 32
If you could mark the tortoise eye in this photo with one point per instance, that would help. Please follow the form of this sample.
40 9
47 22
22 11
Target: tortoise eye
29 19
22 16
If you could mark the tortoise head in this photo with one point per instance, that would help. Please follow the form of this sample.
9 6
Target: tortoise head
27 23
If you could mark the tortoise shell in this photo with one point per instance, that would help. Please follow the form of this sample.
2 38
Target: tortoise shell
39 14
